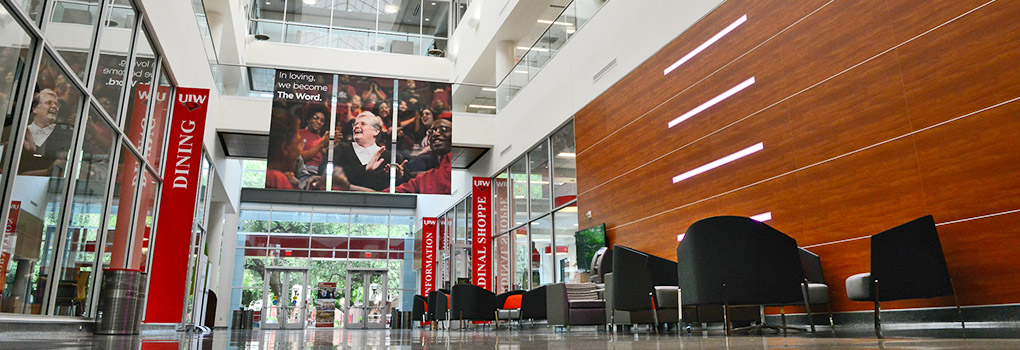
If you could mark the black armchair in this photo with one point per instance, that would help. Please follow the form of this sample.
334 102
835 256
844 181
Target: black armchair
508 305
732 260
906 263
473 303
814 289
438 305
533 304
642 289
420 308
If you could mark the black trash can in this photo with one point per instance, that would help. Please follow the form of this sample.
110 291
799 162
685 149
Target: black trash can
249 319
120 301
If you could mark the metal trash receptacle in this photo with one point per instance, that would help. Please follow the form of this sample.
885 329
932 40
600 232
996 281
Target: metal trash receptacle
237 319
395 319
249 319
120 301
405 320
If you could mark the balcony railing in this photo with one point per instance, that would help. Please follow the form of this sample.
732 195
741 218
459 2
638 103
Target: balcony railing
562 29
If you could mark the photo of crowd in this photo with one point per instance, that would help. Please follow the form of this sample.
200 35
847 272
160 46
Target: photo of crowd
389 135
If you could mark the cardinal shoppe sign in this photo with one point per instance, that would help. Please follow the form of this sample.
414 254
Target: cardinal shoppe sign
167 286
481 247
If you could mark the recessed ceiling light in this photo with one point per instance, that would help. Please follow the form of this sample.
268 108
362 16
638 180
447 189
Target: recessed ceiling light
482 106
489 89
426 20
391 9
433 4
310 2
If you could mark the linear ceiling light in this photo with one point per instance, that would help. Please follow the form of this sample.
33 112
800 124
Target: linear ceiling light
712 102
545 21
720 162
566 154
482 106
489 89
705 45
763 217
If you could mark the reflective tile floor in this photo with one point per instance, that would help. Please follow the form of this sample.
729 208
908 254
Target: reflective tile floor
535 338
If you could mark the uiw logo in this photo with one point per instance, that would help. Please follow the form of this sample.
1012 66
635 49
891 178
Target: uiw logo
192 101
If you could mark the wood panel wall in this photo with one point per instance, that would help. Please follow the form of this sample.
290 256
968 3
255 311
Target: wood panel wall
871 112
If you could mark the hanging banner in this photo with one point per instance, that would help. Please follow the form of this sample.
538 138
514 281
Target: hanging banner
299 131
480 244
7 241
501 219
428 255
169 274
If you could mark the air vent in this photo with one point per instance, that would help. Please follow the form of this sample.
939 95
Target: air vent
604 71
505 150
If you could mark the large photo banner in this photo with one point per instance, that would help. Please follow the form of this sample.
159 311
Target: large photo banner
388 135
299 130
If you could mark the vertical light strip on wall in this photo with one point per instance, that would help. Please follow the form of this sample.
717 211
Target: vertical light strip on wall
720 162
705 45
712 102
763 217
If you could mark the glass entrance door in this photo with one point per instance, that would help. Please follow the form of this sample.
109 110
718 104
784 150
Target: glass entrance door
368 303
285 293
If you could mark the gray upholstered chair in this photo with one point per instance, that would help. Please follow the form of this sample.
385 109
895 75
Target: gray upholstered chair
574 304
906 263
814 289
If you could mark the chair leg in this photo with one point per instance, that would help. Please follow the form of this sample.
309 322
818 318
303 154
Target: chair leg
726 319
959 310
810 318
878 313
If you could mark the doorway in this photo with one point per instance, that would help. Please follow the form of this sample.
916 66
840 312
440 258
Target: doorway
285 296
367 299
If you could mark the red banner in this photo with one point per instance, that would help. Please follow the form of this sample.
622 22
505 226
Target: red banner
7 241
428 255
481 247
169 275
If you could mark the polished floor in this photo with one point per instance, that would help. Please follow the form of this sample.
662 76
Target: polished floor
935 337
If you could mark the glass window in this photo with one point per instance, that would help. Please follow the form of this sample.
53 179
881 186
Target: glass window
111 70
566 262
254 221
83 231
15 53
157 124
501 202
253 173
309 11
145 220
141 87
538 161
356 14
542 251
71 28
33 8
369 225
330 231
120 210
564 165
522 254
519 188
203 189
502 261
461 222
291 222
40 187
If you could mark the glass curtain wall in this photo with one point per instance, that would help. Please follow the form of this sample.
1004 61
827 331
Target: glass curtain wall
81 148
327 240
535 205
412 27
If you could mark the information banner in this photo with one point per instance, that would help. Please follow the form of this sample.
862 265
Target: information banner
481 245
428 255
169 274
8 240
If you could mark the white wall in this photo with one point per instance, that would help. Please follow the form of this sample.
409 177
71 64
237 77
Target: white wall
628 30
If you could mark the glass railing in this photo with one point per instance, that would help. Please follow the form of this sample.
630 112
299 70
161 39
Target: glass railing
348 38
559 32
